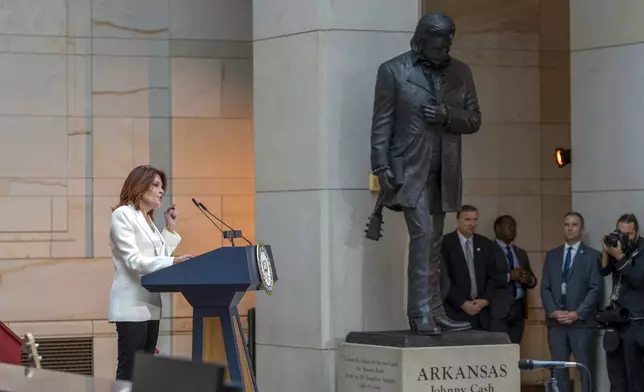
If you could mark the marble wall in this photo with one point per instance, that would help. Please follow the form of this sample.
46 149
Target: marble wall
606 117
518 53
91 89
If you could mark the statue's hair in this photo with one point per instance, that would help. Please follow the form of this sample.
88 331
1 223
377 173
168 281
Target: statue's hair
430 24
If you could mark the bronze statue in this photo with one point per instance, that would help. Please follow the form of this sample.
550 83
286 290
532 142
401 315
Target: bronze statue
424 101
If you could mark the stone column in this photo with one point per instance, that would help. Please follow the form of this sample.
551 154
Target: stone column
315 64
606 118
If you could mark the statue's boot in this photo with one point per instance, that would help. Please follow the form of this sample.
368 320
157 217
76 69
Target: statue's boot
424 326
436 303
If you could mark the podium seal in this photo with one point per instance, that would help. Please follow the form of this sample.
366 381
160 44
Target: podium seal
265 268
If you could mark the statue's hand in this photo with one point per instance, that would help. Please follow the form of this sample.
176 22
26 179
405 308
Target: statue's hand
387 180
435 114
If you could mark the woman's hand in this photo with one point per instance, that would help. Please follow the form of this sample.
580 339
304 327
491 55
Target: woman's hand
179 259
171 215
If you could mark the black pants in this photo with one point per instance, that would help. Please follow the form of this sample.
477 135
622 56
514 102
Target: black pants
513 324
425 229
625 365
132 337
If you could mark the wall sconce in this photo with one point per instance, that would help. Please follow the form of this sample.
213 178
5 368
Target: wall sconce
562 156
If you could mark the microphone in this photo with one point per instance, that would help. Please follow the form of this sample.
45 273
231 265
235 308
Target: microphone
527 364
229 234
211 221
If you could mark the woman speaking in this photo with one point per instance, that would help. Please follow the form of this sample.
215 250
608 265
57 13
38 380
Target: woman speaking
138 248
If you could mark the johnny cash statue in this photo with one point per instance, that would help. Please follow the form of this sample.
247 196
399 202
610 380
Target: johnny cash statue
424 101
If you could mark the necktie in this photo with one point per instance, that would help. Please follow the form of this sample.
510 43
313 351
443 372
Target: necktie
513 265
564 274
469 259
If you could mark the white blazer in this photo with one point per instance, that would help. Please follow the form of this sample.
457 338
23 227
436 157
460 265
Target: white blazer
137 250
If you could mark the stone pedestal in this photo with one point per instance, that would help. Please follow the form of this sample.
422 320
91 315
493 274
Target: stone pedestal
399 361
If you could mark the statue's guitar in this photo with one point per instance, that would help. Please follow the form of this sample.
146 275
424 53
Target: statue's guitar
374 226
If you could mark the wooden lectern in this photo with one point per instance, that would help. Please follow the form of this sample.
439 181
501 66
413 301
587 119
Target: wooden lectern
214 283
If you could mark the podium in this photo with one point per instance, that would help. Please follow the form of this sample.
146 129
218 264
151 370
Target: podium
214 283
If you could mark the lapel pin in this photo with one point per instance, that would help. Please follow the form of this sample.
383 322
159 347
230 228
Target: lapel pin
478 249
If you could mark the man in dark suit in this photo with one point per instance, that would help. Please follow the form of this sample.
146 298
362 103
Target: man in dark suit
473 271
509 310
424 101
571 291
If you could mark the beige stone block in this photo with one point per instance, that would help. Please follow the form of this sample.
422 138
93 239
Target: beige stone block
555 25
534 346
17 149
555 88
108 187
25 237
33 84
526 210
79 147
213 186
501 187
30 44
130 19
76 289
212 19
198 235
25 214
120 144
182 345
534 295
498 24
59 213
103 327
79 18
131 47
131 86
212 148
37 186
500 97
49 329
619 23
73 242
102 208
105 357
196 87
556 187
79 87
25 250
33 17
494 57
393 369
553 137
501 150
554 209
237 88
180 306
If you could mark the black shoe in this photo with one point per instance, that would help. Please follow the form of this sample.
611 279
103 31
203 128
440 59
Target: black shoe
424 326
448 324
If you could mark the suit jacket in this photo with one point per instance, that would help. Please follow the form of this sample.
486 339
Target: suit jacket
135 254
584 287
488 275
401 137
504 299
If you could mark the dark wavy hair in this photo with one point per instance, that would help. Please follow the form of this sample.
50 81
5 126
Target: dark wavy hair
137 183
430 24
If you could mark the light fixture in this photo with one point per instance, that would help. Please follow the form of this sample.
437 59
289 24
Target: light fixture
562 156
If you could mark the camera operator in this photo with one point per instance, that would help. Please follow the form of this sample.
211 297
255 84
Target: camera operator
623 319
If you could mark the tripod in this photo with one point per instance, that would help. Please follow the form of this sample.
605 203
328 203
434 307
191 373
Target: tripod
551 384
